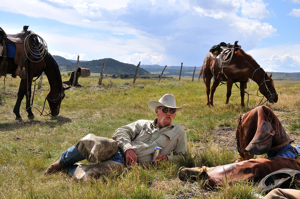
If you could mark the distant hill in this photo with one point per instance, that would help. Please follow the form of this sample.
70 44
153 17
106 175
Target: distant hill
285 76
112 66
188 71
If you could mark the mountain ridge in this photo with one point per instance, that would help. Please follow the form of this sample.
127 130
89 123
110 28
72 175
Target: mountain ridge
114 67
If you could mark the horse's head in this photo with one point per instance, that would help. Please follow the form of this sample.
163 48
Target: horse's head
267 88
55 100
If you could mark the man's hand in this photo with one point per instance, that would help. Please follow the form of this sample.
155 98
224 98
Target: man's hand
160 158
131 157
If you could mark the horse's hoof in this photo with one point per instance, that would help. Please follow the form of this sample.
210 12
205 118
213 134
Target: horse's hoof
31 117
19 119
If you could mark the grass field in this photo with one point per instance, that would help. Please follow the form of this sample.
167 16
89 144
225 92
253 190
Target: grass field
30 146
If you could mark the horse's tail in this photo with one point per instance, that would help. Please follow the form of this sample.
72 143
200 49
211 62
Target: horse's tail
201 71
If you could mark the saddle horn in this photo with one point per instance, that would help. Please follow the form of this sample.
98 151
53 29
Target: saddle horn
25 28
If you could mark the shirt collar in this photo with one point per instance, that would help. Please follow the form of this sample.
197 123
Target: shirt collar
154 123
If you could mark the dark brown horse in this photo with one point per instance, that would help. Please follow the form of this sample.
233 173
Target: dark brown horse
240 68
34 68
56 94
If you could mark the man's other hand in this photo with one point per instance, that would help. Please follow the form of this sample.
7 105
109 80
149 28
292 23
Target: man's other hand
131 157
159 158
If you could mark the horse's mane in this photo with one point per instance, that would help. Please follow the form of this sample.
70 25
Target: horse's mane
250 59
52 68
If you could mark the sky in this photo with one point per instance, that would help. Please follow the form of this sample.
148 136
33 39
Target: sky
161 32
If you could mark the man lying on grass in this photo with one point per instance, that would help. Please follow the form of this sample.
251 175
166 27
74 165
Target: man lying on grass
259 131
131 144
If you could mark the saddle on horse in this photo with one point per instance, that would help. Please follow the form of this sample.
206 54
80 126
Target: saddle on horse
19 47
224 52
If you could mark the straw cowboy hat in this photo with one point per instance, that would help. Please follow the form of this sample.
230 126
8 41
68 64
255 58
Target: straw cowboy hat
168 100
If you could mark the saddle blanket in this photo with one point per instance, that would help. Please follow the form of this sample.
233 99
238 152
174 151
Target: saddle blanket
11 50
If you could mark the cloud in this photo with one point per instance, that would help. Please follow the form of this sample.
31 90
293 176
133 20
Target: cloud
278 58
254 9
151 31
295 13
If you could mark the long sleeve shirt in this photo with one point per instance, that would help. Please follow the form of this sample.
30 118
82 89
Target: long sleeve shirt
143 136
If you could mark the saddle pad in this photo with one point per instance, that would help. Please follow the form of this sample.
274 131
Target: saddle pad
11 50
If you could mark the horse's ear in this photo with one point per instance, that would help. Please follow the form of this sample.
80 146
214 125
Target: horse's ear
66 86
270 75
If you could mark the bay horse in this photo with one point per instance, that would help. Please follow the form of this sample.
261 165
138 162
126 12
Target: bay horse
34 68
239 68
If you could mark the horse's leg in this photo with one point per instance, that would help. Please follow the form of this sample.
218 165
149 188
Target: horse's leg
229 87
207 81
213 89
243 85
28 97
21 93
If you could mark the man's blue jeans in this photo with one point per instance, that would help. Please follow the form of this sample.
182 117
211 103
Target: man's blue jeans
72 155
285 151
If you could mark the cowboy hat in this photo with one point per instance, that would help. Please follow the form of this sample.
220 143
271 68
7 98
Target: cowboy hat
282 178
168 100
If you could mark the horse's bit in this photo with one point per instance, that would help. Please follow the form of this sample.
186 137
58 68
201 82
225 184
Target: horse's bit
270 94
60 95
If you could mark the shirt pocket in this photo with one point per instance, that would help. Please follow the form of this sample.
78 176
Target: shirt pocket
144 136
163 141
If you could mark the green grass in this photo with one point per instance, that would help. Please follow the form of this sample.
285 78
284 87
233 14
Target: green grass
29 147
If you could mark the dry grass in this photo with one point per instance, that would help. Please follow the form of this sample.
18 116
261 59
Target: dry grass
29 147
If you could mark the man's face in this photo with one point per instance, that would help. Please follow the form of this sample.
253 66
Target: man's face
165 116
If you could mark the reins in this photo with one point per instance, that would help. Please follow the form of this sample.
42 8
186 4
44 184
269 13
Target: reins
60 95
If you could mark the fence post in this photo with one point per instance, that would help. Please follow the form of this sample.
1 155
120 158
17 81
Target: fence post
75 72
162 73
180 71
136 72
40 82
194 74
101 73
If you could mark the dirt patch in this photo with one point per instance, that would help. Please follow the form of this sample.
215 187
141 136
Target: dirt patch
225 136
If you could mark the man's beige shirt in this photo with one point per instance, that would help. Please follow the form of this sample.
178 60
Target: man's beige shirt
143 136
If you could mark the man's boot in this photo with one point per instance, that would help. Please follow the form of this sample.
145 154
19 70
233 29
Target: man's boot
53 168
193 174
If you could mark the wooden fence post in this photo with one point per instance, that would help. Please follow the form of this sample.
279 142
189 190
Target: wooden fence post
194 74
101 73
75 72
180 71
136 72
162 73
40 82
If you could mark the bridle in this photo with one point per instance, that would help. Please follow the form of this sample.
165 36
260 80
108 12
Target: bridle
61 96
264 82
